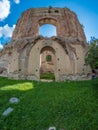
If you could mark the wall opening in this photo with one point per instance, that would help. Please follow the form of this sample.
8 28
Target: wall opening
47 30
48 58
47 63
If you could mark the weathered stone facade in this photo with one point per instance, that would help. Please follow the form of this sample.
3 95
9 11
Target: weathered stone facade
24 56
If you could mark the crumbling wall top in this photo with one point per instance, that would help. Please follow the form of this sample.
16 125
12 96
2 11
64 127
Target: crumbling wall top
66 22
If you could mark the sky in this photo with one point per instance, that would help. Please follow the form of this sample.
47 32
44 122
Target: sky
11 10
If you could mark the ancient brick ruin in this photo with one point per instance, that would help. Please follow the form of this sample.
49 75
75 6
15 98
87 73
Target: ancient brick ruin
25 56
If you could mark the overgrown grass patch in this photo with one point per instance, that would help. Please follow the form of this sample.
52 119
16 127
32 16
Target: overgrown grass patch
47 76
65 105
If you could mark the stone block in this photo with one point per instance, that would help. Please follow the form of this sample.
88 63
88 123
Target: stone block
52 128
7 111
14 100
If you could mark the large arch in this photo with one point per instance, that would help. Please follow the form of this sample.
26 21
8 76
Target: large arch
60 66
30 59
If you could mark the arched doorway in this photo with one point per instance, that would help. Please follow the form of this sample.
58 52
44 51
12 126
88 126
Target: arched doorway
47 63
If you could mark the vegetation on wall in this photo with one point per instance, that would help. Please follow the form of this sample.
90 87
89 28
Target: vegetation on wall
92 57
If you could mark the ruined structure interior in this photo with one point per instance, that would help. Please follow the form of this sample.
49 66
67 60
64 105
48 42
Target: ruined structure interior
29 54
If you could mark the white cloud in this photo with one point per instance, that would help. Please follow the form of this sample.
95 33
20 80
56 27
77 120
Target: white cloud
6 31
4 9
17 1
1 46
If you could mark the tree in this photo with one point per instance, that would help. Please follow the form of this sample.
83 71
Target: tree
48 58
92 57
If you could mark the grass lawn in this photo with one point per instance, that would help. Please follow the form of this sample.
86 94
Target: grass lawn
47 76
65 105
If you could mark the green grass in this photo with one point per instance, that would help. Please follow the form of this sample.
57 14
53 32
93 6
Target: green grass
65 105
47 76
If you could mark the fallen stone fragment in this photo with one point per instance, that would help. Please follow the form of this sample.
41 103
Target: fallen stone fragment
52 128
7 111
14 100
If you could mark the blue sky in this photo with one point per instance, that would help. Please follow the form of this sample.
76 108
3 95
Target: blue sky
10 12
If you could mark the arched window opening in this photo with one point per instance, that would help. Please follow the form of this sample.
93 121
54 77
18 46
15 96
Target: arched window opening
48 58
47 30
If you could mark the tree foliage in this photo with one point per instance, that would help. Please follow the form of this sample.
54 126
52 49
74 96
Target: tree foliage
92 57
48 58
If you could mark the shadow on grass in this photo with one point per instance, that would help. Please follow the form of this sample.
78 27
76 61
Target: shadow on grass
95 87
